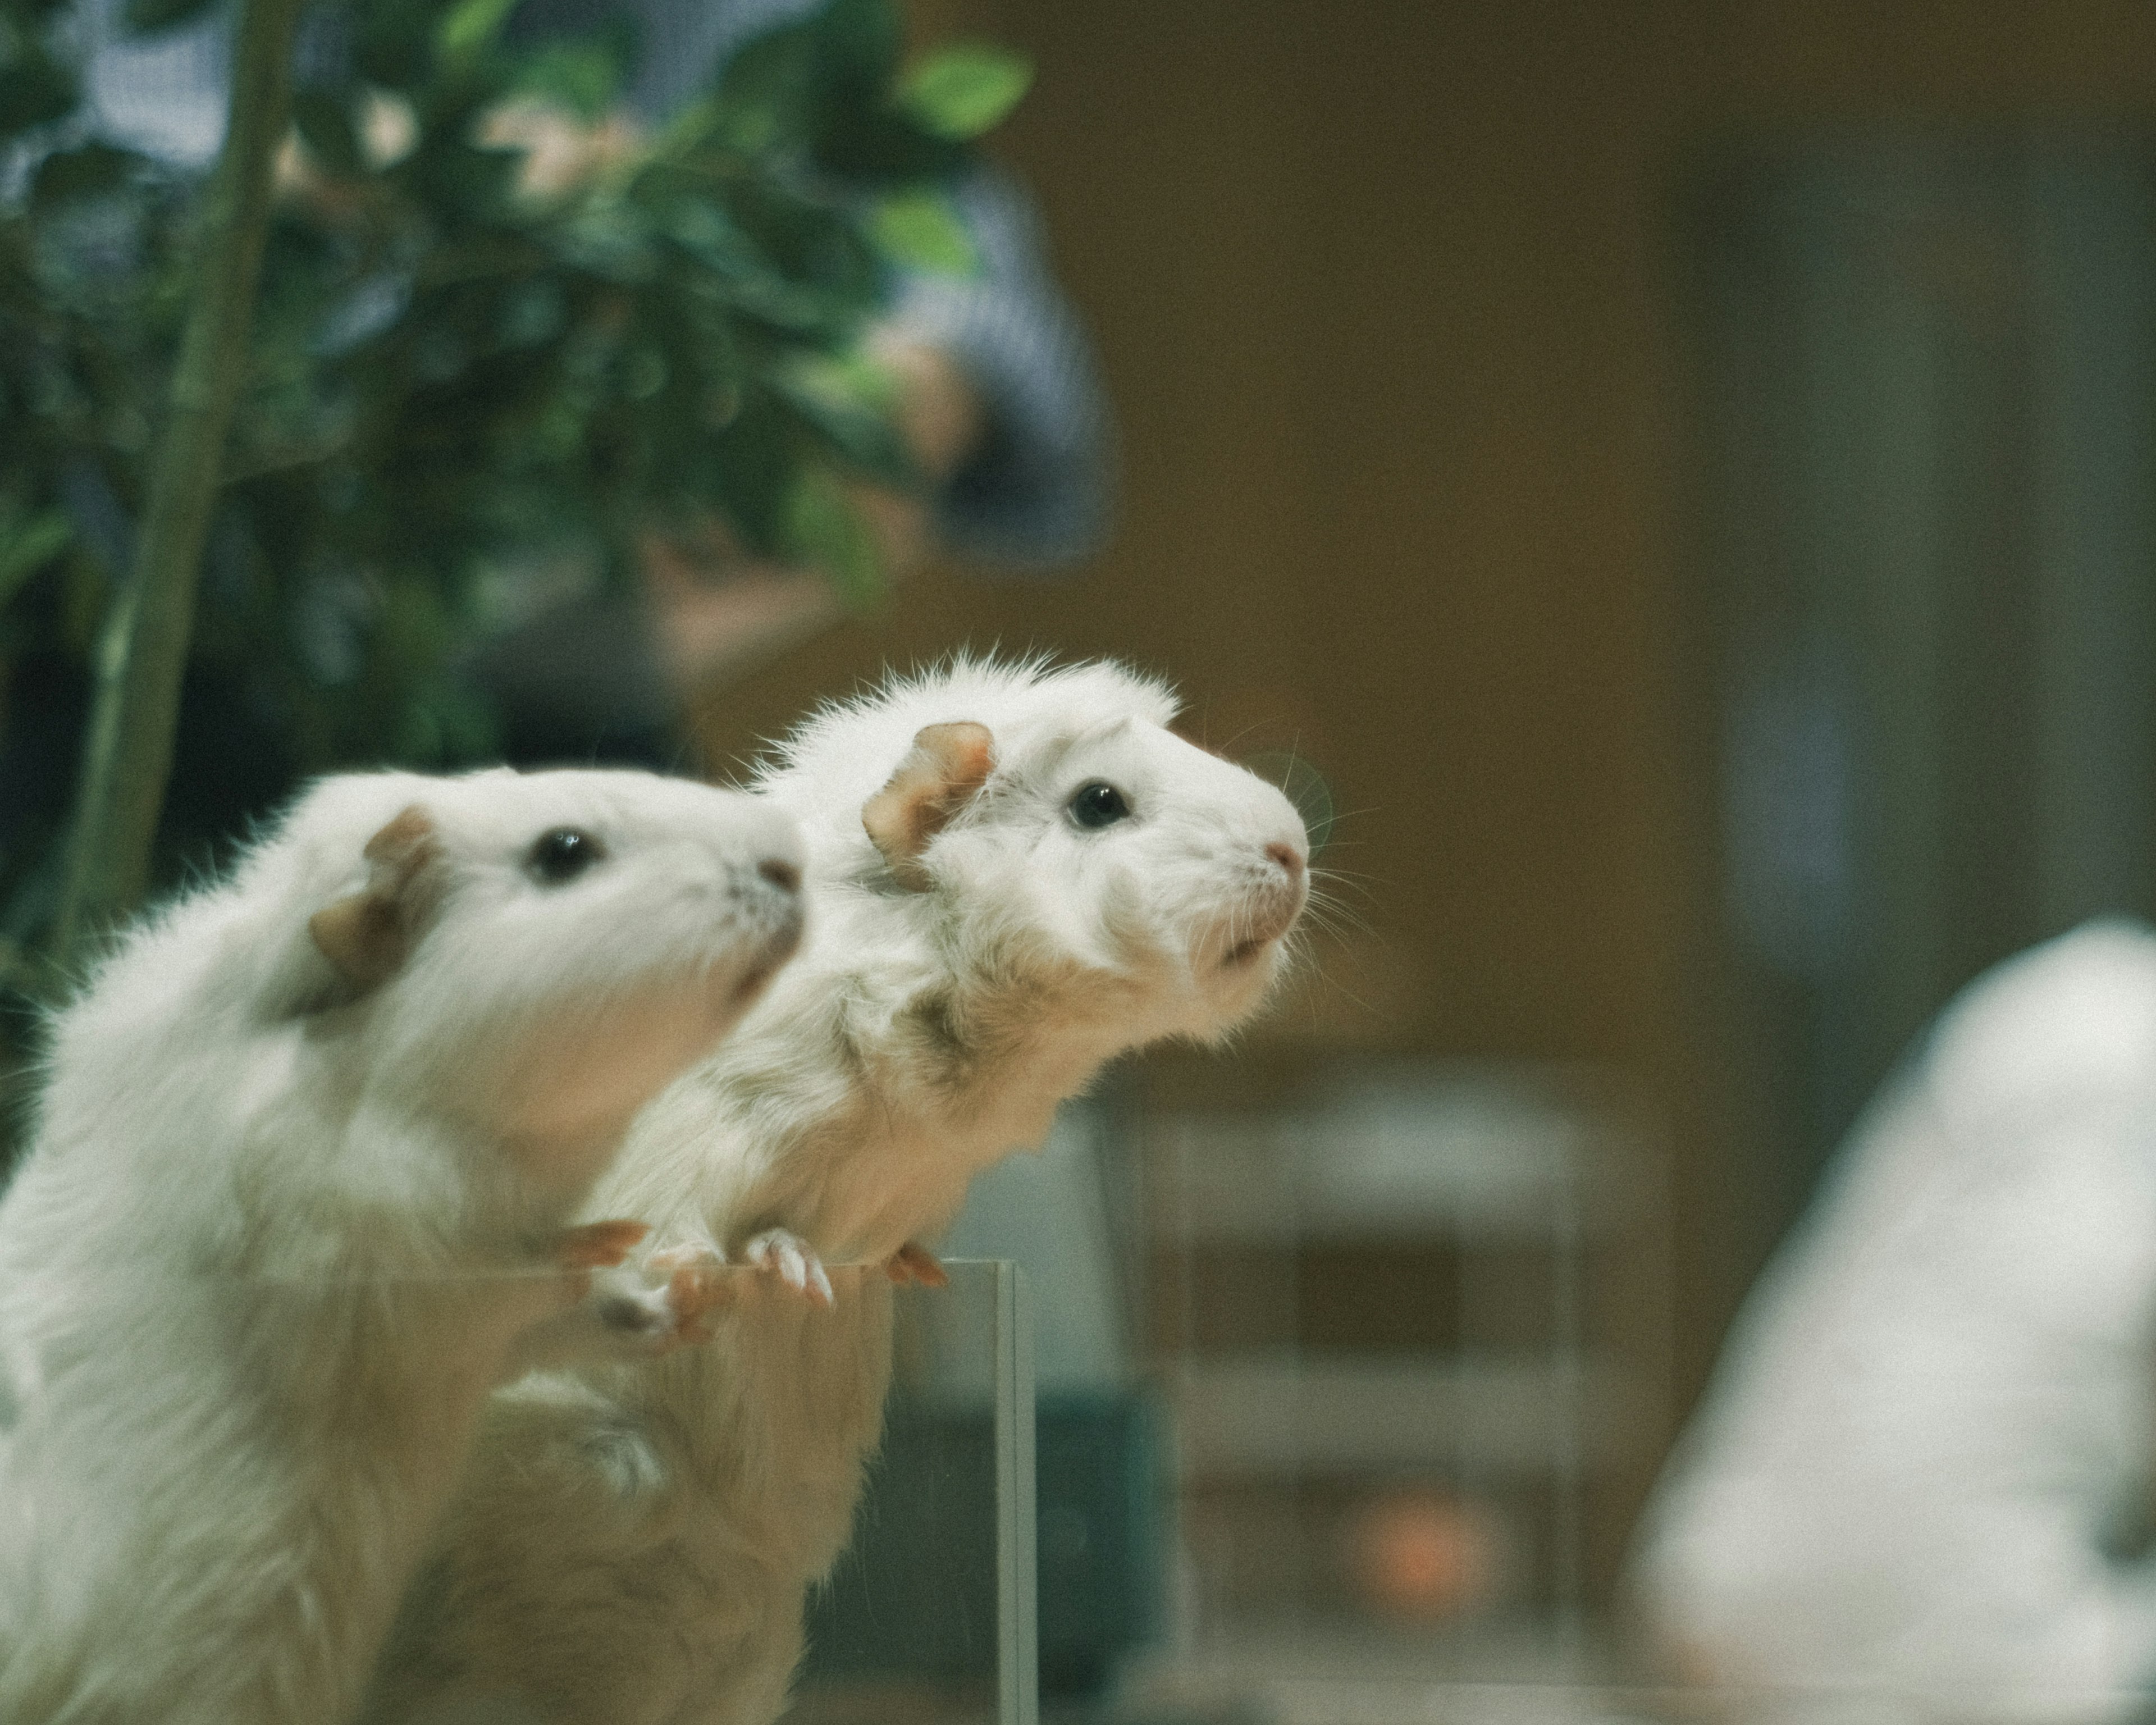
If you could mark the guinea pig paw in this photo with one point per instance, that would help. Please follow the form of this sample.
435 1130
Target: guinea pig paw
597 1245
699 1282
793 1261
917 1263
661 1302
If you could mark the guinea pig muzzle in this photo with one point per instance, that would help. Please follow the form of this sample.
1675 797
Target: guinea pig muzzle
787 921
1271 910
1268 931
780 948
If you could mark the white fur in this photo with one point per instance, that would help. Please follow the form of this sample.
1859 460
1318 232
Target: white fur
633 1545
277 1235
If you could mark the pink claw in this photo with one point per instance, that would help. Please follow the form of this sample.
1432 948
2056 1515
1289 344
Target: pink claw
697 1285
915 1263
795 1261
597 1245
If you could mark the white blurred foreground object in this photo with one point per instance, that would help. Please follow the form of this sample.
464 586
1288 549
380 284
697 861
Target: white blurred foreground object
1018 871
306 1159
1912 1481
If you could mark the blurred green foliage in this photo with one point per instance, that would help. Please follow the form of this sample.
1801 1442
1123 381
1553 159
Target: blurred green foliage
455 379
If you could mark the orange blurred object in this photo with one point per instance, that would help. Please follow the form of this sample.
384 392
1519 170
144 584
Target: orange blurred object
1422 1554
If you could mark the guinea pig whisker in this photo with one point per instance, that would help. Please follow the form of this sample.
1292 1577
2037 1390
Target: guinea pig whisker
1323 911
1319 979
1330 882
1224 749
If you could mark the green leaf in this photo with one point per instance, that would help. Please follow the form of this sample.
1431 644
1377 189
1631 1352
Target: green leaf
762 96
27 546
919 230
859 42
324 119
144 16
823 529
80 173
850 402
879 145
35 89
393 42
466 180
584 78
702 229
609 240
469 27
799 310
644 372
532 311
961 91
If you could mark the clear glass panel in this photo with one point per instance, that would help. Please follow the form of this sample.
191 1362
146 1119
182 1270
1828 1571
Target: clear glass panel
930 1614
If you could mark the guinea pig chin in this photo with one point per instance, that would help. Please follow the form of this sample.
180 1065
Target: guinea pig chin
1253 924
741 982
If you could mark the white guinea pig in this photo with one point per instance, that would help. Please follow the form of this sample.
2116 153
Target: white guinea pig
1018 872
307 1151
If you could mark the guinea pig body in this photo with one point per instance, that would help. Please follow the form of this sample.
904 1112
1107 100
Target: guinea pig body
1017 873
307 1154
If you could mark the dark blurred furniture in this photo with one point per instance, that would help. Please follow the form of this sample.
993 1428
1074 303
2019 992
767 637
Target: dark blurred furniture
915 1598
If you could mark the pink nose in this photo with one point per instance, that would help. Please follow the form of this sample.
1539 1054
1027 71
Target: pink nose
1288 857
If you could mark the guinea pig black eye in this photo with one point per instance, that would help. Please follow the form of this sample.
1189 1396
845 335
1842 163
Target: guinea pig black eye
562 854
1098 805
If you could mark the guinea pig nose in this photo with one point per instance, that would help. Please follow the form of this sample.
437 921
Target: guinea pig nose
782 874
1288 857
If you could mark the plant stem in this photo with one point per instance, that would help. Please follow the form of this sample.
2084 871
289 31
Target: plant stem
142 651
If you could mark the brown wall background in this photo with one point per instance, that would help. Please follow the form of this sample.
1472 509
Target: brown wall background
1383 293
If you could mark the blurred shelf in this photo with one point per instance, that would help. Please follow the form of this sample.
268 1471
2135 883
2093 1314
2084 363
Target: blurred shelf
1301 1671
1491 1156
1413 1328
1299 1414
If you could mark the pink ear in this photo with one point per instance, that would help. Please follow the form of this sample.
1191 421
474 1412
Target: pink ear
367 934
946 766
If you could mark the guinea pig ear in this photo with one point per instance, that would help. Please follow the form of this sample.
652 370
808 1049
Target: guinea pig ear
946 766
367 934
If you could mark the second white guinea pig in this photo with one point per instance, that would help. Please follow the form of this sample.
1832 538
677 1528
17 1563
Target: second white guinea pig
306 1155
1018 871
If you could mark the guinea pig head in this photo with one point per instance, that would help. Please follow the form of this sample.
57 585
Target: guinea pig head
540 953
1111 857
